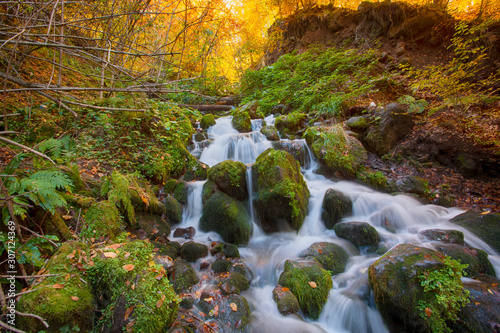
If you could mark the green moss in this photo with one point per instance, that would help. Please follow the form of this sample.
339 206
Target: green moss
209 188
173 209
78 200
170 186
230 178
143 198
183 275
181 192
297 277
59 227
234 284
331 256
290 123
72 305
376 180
241 121
207 121
102 219
192 251
270 132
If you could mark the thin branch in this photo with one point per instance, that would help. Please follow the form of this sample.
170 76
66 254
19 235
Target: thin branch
27 148
22 293
33 316
10 328
41 236
28 276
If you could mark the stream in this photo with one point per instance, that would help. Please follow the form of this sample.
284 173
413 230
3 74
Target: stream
350 306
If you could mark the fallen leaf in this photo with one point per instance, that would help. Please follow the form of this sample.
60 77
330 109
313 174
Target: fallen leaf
320 251
58 286
486 212
234 307
67 217
127 254
110 254
312 284
128 312
208 299
489 290
75 298
189 320
159 276
128 267
428 312
159 303
114 246
285 289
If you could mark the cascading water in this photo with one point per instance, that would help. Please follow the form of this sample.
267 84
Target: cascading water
350 306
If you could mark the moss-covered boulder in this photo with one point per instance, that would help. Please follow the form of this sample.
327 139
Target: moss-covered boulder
195 170
182 275
417 287
102 219
331 257
221 265
270 133
291 123
192 251
476 259
231 311
231 251
309 282
61 299
336 206
297 148
228 217
413 184
358 123
344 155
281 195
209 188
484 225
234 284
173 209
230 178
444 236
115 269
153 225
361 234
285 300
171 249
241 121
374 179
207 120
181 191
143 197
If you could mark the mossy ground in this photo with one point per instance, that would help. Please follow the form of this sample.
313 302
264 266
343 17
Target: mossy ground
102 219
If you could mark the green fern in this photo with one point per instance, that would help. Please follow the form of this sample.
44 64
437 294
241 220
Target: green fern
120 195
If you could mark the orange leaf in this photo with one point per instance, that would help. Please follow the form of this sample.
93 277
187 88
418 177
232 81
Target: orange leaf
428 312
189 320
114 246
320 251
75 298
234 307
285 289
128 312
312 284
159 303
58 286
110 254
128 267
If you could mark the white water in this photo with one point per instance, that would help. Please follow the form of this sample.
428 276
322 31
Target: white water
350 306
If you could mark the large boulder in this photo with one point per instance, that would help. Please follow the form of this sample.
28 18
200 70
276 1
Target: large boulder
418 288
60 298
182 275
232 311
153 225
394 124
309 282
344 155
281 195
476 259
361 234
290 124
270 133
230 178
207 121
336 205
444 236
332 257
241 121
173 209
228 217
297 148
484 225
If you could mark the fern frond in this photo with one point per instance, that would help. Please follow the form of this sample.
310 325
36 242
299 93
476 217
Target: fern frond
47 179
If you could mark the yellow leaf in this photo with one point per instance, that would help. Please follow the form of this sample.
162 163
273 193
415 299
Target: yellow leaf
75 298
58 286
489 290
67 217
110 254
234 307
128 267
486 212
312 284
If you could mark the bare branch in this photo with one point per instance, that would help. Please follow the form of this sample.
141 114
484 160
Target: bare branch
27 148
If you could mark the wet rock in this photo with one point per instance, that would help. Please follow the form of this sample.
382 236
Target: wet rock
394 124
232 312
195 170
191 251
153 225
187 302
281 195
173 209
484 225
243 270
343 154
182 275
358 123
231 251
376 180
270 133
297 149
476 259
413 184
466 165
396 280
332 257
281 109
336 206
290 124
361 234
482 313
444 236
234 284
186 233
221 265
207 121
309 283
286 301
241 121
209 188
181 192
171 249
230 177
228 217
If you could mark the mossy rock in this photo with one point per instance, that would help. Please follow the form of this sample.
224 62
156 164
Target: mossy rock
233 311
70 304
195 170
181 191
111 278
153 225
228 217
102 219
485 226
143 197
170 186
209 188
444 236
331 257
361 234
476 259
230 178
173 209
396 280
231 251
374 179
413 184
192 251
343 154
171 249
336 206
285 300
221 265
281 195
78 200
182 275
270 133
207 120
358 123
309 282
234 284
297 149
290 123
241 121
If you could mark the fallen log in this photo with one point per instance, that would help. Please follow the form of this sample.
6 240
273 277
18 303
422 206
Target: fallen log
207 107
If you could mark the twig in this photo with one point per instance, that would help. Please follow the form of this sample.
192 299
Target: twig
33 316
78 221
10 328
9 115
41 236
28 276
22 293
27 148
